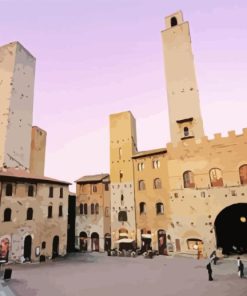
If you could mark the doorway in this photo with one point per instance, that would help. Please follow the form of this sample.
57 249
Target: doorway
28 248
55 247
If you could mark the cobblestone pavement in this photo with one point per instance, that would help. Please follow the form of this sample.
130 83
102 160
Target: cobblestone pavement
97 274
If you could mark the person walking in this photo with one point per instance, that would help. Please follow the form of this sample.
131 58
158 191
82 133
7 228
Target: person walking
240 268
210 272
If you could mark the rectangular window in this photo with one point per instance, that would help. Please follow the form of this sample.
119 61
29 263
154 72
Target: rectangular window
30 190
61 192
107 212
60 211
50 212
106 186
9 189
50 191
94 188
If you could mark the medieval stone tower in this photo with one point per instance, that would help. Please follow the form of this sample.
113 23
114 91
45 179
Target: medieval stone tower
122 148
17 69
182 92
37 156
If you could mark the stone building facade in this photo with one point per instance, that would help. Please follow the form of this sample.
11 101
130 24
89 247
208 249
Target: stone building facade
190 196
93 224
33 208
33 216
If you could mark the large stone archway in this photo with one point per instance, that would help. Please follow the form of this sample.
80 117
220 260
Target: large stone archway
231 229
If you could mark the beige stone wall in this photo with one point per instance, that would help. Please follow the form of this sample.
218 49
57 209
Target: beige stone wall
37 156
40 227
17 70
182 90
194 210
90 223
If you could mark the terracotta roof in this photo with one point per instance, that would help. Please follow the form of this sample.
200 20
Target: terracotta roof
17 173
93 178
149 152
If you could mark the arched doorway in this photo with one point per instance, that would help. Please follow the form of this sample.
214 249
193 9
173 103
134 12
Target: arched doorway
107 241
162 242
83 241
55 246
231 229
28 248
146 240
95 242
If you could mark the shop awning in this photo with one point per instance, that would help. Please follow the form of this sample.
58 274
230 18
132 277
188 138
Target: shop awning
146 235
124 240
123 234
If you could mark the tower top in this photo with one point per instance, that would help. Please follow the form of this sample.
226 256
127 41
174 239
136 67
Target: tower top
174 19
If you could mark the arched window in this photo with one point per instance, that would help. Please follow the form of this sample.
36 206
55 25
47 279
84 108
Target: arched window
157 183
29 214
140 166
30 190
142 208
85 209
188 178
94 188
9 189
159 208
49 212
156 164
60 211
81 209
243 174
141 185
174 21
122 216
92 209
43 245
96 208
186 131
216 177
7 215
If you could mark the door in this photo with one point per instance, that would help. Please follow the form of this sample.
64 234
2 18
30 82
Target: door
27 248
177 242
162 242
55 246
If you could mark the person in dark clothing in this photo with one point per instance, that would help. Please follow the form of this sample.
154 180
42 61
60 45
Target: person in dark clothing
209 268
240 268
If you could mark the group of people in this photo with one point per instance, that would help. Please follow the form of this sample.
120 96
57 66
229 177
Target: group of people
214 259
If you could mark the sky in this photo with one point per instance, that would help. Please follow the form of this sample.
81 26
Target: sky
98 57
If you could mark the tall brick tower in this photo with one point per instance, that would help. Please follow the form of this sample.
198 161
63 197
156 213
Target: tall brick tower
17 70
182 92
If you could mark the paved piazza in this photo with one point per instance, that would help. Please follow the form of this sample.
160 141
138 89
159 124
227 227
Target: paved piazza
94 274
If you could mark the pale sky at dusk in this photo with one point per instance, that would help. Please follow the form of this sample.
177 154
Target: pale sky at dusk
99 57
